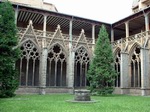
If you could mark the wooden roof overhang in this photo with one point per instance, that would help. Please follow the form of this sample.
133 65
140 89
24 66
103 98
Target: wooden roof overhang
26 13
136 21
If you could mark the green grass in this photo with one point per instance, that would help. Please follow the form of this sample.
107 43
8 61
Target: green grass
57 103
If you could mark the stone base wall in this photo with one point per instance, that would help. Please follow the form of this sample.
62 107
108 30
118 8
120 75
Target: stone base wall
117 90
27 90
49 90
131 91
36 90
145 92
135 91
59 90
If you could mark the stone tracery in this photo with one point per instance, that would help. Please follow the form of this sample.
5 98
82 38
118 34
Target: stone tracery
136 68
117 68
28 64
56 66
81 67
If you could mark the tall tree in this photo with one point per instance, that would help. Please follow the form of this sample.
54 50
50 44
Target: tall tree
8 53
101 74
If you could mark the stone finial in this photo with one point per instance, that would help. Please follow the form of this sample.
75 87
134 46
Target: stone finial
30 22
82 31
58 26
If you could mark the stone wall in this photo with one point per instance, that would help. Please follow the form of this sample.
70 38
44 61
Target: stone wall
35 3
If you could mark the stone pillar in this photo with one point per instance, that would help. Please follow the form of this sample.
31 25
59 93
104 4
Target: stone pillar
144 71
16 15
70 61
112 35
43 61
43 70
127 28
124 73
71 69
146 29
93 36
146 22
44 26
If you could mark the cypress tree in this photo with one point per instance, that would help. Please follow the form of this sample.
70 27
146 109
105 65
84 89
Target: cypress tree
101 73
8 53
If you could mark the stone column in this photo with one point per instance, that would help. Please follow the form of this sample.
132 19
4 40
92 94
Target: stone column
146 29
70 70
16 15
127 28
43 70
145 71
93 37
127 33
112 35
43 61
124 73
146 22
70 61
44 26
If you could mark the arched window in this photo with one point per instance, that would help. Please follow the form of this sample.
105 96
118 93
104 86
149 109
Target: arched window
28 64
136 68
56 67
81 67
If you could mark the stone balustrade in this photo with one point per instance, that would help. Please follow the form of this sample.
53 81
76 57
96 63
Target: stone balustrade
39 33
131 38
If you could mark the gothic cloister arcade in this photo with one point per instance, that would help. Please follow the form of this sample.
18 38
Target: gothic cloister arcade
134 67
45 61
57 49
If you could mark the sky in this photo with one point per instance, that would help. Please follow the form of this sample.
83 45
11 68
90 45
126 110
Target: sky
108 11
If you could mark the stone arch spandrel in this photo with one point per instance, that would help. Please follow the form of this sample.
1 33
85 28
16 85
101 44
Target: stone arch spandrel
29 34
57 38
82 41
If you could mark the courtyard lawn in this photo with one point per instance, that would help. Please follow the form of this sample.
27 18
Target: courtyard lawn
57 103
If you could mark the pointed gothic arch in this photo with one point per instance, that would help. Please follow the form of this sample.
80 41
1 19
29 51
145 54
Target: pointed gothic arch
81 66
28 64
62 46
118 49
56 66
85 48
135 68
29 39
132 49
117 66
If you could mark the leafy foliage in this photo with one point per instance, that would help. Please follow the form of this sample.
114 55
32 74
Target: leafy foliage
101 74
8 53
